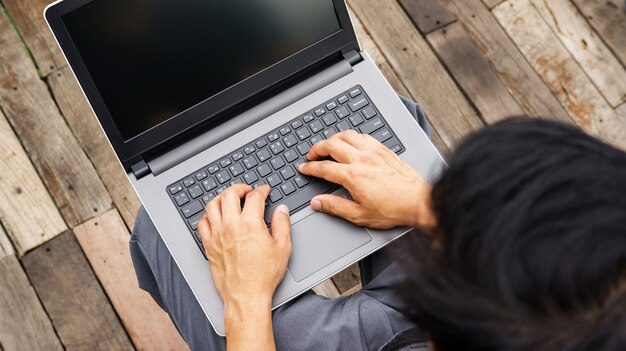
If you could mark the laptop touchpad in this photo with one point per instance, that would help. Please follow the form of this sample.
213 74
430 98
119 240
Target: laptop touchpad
318 240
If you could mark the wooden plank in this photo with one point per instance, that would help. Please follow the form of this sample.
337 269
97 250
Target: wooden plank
28 16
427 15
26 210
368 45
24 324
105 242
474 73
524 84
57 156
352 290
417 66
81 119
492 3
593 56
609 20
560 71
327 289
6 249
73 298
621 111
347 279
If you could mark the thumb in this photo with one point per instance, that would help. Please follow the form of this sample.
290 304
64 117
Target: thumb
280 225
337 206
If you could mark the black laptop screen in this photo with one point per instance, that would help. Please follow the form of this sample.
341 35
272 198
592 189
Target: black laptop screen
153 59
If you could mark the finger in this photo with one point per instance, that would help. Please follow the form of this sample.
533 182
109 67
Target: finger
337 206
281 226
214 215
336 148
255 201
329 170
204 229
231 201
353 138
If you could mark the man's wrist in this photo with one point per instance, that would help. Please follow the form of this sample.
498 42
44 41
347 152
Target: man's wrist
421 216
239 310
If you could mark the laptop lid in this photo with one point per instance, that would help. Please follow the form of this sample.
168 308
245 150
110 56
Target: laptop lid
153 69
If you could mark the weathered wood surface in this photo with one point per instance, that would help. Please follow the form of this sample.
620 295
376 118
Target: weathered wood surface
474 73
6 249
26 210
327 288
56 154
492 3
608 18
560 71
28 16
78 308
621 111
81 119
345 279
372 49
598 62
524 84
105 242
417 66
427 15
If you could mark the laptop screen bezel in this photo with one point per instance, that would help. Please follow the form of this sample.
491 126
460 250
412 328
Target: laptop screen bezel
129 151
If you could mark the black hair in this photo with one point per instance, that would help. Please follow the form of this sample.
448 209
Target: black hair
530 248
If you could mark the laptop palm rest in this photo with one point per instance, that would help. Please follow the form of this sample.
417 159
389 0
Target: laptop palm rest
319 240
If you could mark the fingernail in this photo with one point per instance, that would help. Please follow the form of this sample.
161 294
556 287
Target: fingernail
300 166
283 209
316 204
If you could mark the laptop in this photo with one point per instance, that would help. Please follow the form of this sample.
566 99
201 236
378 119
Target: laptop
197 95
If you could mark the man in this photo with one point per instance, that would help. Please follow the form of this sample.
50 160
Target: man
520 245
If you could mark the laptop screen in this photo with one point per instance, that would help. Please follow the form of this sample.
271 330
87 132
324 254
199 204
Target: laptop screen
153 59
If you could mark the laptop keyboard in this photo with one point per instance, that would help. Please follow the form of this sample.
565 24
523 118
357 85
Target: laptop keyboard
274 159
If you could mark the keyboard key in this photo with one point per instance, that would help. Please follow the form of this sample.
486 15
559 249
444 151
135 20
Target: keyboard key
343 99
358 103
277 148
342 112
316 126
273 180
209 184
355 92
250 162
235 181
189 182
193 221
296 164
272 137
369 112
213 169
207 198
290 155
259 183
288 188
287 173
308 118
301 181
393 146
382 135
236 169
343 126
277 162
181 199
329 120
303 133
249 149
191 209
300 198
275 195
195 191
296 124
263 155
237 156
356 120
223 177
176 189
316 139
303 148
329 132
290 140
201 175
264 170
225 162
284 130
250 177
320 111
331 106
372 126
261 143
221 189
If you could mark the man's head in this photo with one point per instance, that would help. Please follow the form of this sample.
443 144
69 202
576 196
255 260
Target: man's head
530 250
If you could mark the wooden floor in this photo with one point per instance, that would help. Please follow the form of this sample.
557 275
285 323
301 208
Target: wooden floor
66 279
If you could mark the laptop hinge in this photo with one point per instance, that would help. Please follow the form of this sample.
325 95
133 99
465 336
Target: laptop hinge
140 169
353 57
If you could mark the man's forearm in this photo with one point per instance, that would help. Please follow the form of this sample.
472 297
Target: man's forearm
249 326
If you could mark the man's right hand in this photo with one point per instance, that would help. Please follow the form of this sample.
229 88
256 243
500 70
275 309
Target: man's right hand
386 191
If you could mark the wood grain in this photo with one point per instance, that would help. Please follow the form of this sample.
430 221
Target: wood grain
417 66
57 156
6 249
73 298
26 210
621 111
560 71
24 324
587 48
28 16
608 18
371 48
492 3
524 84
327 289
474 73
345 280
427 15
105 242
81 119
